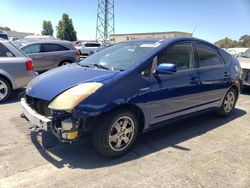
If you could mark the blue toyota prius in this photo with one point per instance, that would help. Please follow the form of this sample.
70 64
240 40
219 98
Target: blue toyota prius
132 87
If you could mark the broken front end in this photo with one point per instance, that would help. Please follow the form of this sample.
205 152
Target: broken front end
66 126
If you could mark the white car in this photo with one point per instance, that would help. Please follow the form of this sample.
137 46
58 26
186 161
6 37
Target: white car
244 60
87 48
236 52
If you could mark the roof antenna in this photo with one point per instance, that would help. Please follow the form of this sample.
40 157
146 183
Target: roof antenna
194 30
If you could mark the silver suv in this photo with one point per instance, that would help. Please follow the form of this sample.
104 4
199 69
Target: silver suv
16 69
48 54
88 48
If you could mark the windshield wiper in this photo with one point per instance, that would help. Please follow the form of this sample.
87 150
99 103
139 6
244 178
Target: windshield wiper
101 66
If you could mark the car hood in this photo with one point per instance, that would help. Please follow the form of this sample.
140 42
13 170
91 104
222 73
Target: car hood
48 85
244 62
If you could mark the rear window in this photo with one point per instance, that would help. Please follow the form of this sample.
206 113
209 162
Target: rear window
225 56
5 52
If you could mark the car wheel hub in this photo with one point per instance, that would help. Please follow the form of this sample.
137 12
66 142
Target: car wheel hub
229 102
121 133
3 90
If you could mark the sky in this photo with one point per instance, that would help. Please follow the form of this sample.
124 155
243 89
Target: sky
215 19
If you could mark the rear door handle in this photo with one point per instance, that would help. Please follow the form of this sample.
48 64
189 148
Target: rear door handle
194 80
226 74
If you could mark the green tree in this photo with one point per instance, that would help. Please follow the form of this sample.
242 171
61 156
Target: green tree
65 29
47 28
5 28
245 41
227 43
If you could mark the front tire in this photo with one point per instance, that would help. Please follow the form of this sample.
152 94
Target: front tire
5 89
228 104
115 133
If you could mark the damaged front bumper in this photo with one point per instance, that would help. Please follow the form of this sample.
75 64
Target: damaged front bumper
62 125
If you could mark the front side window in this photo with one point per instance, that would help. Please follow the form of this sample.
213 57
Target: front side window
35 48
208 56
179 54
5 52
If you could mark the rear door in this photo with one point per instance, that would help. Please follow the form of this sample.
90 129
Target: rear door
213 73
49 55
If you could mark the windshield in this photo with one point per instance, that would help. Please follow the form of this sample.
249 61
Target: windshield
246 53
121 56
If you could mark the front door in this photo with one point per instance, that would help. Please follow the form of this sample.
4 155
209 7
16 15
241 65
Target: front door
177 93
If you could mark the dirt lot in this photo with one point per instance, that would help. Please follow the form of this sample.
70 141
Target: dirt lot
200 152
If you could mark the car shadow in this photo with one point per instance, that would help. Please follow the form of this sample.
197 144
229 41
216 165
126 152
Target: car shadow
14 97
83 155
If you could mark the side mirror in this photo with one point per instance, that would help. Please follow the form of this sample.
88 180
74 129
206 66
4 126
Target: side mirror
166 68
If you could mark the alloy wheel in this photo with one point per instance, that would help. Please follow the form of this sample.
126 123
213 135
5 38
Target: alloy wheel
3 90
121 133
229 102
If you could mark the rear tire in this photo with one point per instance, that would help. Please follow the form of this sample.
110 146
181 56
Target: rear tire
5 89
65 63
115 133
228 103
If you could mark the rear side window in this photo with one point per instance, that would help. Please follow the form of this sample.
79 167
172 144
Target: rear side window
4 36
5 52
35 48
208 56
225 56
52 48
179 54
92 45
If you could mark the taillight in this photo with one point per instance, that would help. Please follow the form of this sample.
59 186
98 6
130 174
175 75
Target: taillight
29 65
77 53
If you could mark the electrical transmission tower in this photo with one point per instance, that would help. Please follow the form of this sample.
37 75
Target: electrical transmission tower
105 20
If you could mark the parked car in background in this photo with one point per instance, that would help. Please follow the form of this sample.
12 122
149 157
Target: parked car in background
16 69
244 60
133 87
236 52
4 35
48 37
48 54
87 48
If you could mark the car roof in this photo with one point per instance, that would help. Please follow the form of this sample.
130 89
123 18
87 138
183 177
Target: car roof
42 41
171 40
